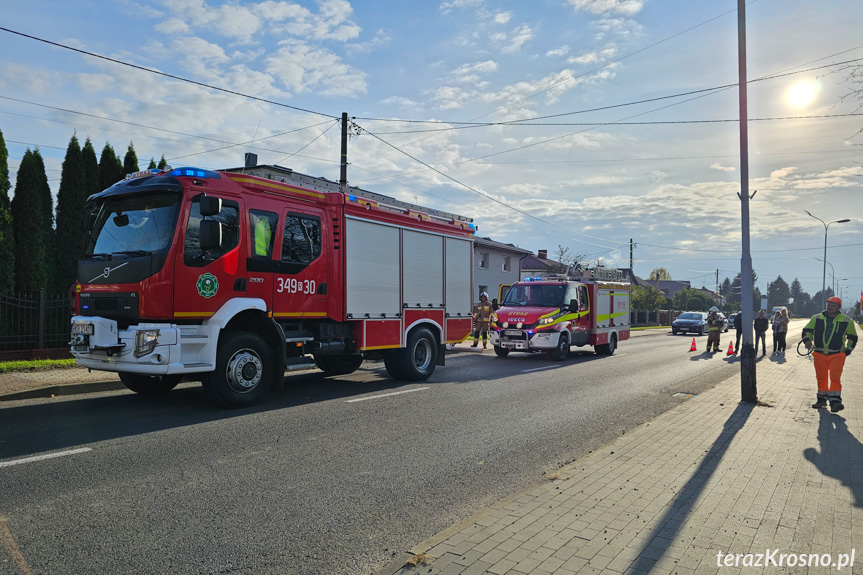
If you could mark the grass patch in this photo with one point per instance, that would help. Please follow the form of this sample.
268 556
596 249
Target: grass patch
642 328
36 365
421 559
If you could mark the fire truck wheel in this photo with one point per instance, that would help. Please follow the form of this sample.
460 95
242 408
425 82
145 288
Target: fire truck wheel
339 364
501 351
418 360
608 348
244 370
561 352
149 384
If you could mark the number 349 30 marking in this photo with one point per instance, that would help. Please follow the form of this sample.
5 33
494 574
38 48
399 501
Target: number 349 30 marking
293 285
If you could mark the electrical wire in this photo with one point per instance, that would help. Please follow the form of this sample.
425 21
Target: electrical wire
165 74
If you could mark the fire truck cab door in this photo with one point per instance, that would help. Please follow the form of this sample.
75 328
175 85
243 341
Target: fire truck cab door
300 279
204 279
580 326
262 233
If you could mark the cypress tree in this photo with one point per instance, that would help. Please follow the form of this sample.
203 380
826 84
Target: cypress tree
110 168
30 270
70 206
91 175
46 211
7 245
162 163
152 164
130 161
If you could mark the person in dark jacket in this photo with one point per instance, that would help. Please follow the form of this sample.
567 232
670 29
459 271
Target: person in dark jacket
761 325
738 327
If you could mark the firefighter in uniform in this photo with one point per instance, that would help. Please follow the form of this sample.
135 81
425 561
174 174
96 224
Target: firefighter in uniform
713 325
834 336
482 312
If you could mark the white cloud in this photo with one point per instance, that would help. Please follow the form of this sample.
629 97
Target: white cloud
513 40
625 7
562 51
301 68
722 168
594 57
501 17
784 172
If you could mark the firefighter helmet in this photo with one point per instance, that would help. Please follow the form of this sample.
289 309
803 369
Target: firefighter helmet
714 308
483 295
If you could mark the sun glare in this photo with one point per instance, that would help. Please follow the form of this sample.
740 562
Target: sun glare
801 94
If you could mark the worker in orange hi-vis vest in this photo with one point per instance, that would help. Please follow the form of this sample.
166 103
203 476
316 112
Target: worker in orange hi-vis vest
482 313
834 338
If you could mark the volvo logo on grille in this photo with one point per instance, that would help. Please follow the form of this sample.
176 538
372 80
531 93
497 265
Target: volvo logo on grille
107 271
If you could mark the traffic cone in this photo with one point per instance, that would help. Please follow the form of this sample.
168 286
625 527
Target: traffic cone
730 348
692 347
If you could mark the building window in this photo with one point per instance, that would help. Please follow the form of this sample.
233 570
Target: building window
506 266
483 261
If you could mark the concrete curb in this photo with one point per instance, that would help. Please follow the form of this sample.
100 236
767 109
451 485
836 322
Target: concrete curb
63 389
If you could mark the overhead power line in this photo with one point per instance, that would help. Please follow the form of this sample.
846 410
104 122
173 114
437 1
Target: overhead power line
165 74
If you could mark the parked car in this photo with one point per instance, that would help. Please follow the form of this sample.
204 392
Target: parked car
690 321
731 319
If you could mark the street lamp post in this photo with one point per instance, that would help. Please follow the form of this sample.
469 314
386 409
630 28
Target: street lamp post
824 273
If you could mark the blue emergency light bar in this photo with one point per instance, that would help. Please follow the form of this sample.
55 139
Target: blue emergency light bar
194 173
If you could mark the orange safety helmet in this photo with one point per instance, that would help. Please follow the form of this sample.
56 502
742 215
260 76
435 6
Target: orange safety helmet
835 299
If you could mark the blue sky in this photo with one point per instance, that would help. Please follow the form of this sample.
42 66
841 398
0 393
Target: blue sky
601 170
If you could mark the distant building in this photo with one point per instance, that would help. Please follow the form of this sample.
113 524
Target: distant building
667 287
495 264
539 265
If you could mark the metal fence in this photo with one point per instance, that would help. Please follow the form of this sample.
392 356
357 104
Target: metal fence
33 321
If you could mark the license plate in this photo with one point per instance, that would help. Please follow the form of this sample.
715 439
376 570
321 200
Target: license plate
515 332
82 328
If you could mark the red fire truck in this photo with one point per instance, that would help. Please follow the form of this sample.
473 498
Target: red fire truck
234 277
553 314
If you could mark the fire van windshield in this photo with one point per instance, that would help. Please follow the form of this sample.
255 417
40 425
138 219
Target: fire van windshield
535 296
132 225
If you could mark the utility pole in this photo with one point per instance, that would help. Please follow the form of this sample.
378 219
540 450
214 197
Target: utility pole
748 384
631 273
343 177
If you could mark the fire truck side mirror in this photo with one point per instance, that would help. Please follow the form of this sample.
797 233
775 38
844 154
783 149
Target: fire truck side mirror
210 235
210 205
573 305
494 304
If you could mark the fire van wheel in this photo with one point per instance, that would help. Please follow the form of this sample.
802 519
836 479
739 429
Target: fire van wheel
244 370
561 352
608 348
417 361
149 384
339 364
501 351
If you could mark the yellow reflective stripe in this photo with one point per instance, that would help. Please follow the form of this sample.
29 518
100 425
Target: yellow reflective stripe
609 316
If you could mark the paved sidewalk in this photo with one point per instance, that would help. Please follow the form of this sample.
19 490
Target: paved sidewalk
711 476
23 385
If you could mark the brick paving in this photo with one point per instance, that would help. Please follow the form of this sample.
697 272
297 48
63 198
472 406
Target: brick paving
713 475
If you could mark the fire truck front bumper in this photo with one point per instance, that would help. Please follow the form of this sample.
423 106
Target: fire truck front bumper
150 349
525 340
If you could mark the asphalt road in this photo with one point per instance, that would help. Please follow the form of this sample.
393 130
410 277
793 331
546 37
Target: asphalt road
333 475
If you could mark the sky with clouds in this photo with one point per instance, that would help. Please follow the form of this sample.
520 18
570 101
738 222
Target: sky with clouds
574 123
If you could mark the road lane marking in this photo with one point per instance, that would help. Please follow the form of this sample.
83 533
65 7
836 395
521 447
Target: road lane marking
539 368
46 456
12 548
385 395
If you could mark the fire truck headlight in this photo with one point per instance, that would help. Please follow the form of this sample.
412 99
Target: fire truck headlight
518 325
545 321
505 324
145 341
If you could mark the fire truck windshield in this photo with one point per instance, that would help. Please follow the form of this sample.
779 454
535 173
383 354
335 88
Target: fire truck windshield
535 295
137 224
